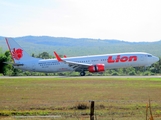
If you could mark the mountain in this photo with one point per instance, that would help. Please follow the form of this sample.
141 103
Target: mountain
81 46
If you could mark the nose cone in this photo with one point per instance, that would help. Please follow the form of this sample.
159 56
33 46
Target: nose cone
156 59
152 59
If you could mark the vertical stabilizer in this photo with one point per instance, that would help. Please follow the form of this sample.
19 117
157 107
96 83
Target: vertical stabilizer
17 52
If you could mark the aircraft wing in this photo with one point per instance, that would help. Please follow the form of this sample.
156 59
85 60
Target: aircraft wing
75 65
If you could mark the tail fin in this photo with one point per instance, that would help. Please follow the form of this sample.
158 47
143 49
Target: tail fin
17 52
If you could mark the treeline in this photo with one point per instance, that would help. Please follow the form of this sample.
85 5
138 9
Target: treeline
9 70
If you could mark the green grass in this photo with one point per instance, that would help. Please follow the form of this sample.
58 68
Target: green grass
115 97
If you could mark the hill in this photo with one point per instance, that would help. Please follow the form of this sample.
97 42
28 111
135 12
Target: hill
82 46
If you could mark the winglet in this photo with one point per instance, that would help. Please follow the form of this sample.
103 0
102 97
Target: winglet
58 57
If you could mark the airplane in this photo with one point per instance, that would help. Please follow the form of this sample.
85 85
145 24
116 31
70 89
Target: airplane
93 63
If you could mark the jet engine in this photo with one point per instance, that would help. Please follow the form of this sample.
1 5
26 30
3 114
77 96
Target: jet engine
96 68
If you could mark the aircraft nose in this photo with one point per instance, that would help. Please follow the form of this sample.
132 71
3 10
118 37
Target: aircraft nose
156 59
153 59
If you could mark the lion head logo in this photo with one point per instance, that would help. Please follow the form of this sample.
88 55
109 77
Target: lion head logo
17 53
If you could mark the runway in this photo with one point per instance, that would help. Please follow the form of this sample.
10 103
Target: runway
2 77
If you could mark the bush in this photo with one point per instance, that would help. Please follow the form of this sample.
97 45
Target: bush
115 74
1 74
132 73
81 106
147 73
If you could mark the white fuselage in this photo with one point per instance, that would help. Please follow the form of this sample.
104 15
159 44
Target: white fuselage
110 61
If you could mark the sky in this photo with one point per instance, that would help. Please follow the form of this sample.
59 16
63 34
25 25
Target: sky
127 20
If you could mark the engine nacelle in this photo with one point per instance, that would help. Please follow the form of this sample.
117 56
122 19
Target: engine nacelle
97 68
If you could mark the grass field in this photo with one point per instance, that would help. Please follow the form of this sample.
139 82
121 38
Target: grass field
115 98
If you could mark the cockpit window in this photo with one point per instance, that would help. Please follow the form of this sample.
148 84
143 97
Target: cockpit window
149 55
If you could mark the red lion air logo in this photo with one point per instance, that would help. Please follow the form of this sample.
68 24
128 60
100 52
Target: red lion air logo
17 53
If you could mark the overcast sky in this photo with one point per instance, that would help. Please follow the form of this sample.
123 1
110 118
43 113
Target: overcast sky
128 20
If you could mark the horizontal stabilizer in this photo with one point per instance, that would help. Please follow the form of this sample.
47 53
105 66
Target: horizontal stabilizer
14 64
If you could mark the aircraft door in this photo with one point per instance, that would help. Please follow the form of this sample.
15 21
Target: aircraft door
142 59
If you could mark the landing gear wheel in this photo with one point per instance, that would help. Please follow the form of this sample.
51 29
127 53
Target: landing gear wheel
82 73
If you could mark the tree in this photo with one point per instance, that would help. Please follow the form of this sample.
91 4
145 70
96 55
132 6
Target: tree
5 69
156 67
44 55
33 55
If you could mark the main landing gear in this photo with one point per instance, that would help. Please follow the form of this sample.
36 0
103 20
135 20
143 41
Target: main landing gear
82 73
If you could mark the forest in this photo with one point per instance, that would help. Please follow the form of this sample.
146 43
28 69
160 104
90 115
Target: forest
82 46
9 70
